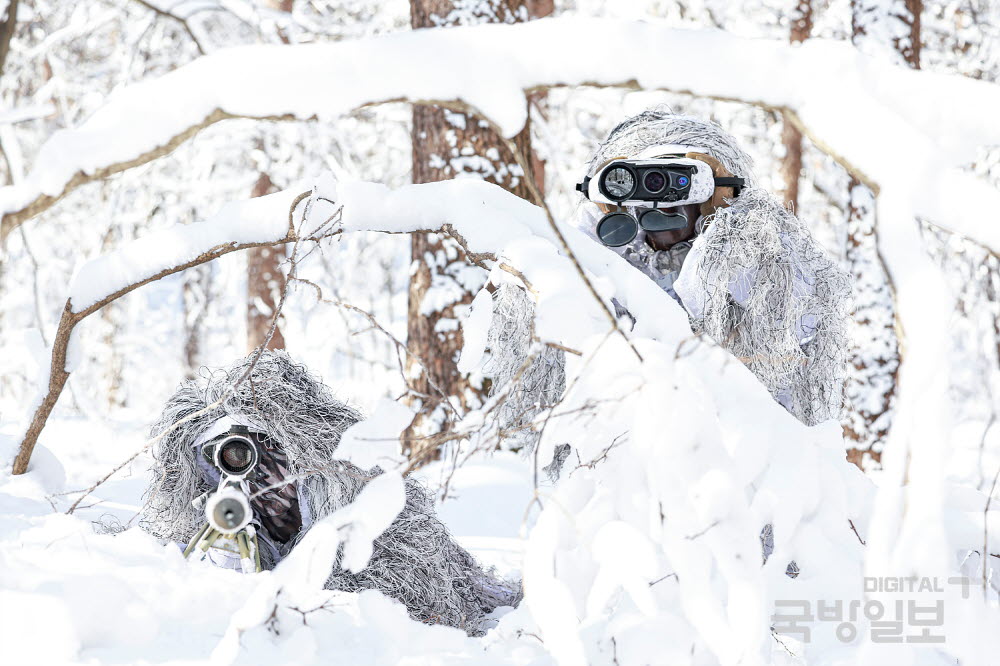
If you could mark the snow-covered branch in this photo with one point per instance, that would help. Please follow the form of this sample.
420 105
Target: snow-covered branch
868 121
259 222
485 219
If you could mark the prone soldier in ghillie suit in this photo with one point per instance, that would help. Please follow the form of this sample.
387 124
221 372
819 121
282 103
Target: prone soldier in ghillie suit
297 424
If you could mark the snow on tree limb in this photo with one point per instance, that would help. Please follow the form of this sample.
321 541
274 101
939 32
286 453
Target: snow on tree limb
867 119
482 217
109 277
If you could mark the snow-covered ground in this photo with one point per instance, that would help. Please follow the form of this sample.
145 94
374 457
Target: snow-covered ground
72 594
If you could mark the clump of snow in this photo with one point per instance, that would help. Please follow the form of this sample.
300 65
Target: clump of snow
475 332
375 441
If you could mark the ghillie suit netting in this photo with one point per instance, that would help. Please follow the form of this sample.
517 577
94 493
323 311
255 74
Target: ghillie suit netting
753 278
415 561
756 282
532 375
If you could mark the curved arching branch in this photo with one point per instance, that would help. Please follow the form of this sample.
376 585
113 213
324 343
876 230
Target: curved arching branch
58 372
43 201
253 82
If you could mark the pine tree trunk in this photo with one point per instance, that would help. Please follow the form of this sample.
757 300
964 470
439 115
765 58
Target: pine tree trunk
196 295
447 144
874 356
791 166
265 283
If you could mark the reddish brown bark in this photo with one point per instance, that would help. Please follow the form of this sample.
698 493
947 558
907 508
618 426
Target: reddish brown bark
791 137
447 144
265 283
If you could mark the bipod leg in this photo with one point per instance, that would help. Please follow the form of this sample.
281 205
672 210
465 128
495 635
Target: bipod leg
195 539
256 550
247 557
207 541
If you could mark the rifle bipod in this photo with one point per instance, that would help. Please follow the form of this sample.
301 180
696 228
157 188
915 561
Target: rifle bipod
242 543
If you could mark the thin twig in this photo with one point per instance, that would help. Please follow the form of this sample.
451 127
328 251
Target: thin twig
377 326
183 21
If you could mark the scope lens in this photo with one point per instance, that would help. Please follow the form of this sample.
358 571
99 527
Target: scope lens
236 456
617 229
683 181
654 181
618 183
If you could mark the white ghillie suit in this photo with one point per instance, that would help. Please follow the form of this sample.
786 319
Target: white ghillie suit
753 279
530 386
415 561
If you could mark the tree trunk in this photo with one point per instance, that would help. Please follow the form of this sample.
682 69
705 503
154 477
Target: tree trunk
197 296
891 28
447 144
8 24
265 283
874 356
791 166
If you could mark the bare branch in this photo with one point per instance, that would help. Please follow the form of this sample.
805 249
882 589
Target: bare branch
58 374
43 201
183 21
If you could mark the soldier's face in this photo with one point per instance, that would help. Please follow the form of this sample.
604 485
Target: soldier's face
274 491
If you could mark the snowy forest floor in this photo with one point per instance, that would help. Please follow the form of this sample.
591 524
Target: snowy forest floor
73 594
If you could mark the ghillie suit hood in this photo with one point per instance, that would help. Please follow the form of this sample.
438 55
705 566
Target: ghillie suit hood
753 278
661 126
415 561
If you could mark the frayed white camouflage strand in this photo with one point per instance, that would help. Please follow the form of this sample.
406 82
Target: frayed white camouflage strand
790 326
540 384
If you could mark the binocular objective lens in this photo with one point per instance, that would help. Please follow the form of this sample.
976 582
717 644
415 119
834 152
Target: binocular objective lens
619 183
654 181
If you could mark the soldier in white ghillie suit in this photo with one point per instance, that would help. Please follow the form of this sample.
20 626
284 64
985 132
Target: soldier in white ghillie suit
745 269
747 272
297 424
